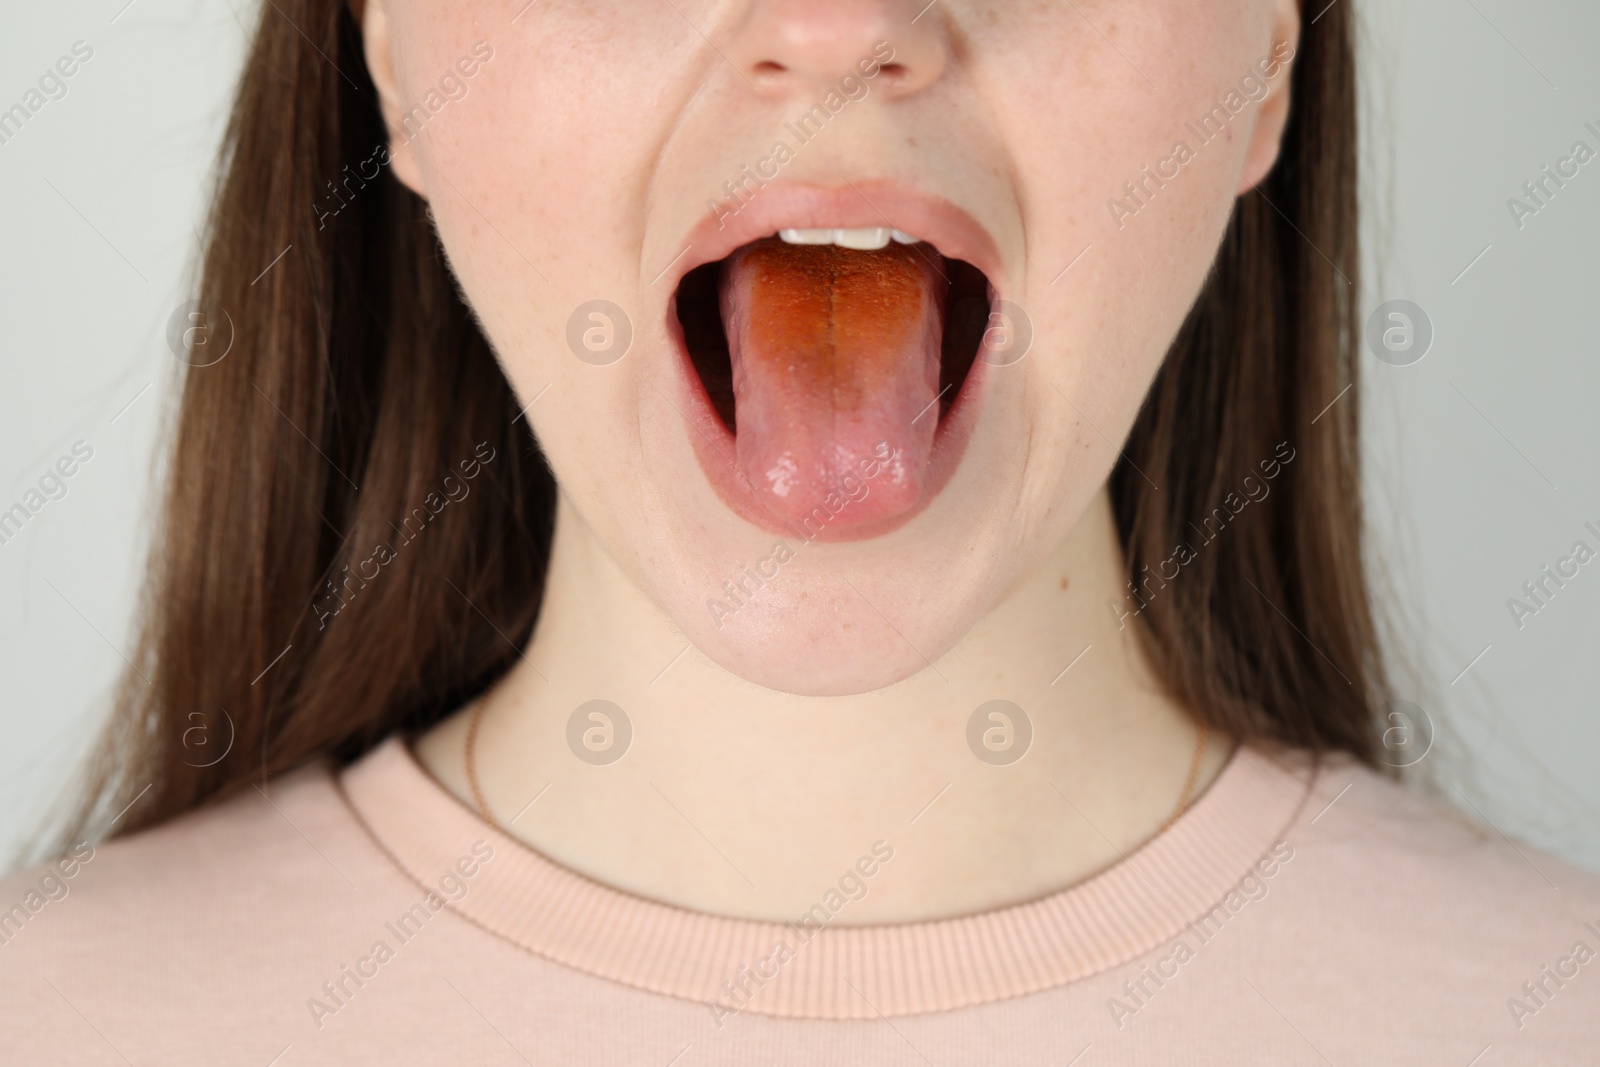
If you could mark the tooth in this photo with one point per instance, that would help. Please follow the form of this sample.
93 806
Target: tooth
904 238
807 237
864 240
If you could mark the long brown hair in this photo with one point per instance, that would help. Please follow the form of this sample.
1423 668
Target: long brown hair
358 379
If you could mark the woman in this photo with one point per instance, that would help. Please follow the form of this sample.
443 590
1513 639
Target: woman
748 531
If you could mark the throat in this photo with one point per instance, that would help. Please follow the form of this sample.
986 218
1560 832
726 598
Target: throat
739 800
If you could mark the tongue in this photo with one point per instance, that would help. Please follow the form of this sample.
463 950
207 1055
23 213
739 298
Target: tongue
835 356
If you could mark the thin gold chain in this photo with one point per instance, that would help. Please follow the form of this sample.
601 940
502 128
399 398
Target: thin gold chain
472 765
476 720
1194 776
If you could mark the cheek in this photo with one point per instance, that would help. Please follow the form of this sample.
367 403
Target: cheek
537 168
530 179
1108 101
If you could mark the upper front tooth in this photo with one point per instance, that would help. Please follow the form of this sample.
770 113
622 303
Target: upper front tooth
862 239
865 239
904 238
807 237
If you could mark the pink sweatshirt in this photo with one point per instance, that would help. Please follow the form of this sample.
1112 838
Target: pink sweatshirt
1292 916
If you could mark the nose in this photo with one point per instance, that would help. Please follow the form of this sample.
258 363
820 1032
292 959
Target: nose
788 47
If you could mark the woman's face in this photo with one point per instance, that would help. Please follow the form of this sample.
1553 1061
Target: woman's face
826 463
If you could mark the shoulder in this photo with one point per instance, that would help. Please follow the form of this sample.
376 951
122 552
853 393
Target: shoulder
1435 922
1370 828
245 844
206 930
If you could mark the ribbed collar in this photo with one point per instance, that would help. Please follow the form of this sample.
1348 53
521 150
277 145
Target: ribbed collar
840 972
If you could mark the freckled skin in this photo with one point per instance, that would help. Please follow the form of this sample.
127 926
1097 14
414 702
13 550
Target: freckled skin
590 144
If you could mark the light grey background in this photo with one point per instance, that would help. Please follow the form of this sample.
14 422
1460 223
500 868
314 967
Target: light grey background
1482 457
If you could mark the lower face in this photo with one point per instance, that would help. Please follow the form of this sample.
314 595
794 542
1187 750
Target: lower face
830 315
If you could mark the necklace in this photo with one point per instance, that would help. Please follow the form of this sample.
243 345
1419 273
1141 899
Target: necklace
1194 776
472 766
476 720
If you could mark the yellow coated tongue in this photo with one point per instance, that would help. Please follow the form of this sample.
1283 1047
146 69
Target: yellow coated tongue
835 355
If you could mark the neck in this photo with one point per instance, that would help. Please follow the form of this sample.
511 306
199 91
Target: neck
738 800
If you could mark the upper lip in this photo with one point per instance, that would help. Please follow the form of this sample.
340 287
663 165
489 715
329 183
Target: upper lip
803 205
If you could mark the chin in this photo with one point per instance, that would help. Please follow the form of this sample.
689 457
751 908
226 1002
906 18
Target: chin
846 617
817 636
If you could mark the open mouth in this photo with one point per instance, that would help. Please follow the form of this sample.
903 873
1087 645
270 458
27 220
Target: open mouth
834 361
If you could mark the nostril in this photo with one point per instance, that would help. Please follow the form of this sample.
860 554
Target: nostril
767 68
895 71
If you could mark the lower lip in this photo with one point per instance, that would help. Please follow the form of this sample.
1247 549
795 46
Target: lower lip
714 446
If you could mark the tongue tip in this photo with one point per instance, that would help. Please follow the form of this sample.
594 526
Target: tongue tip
858 488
